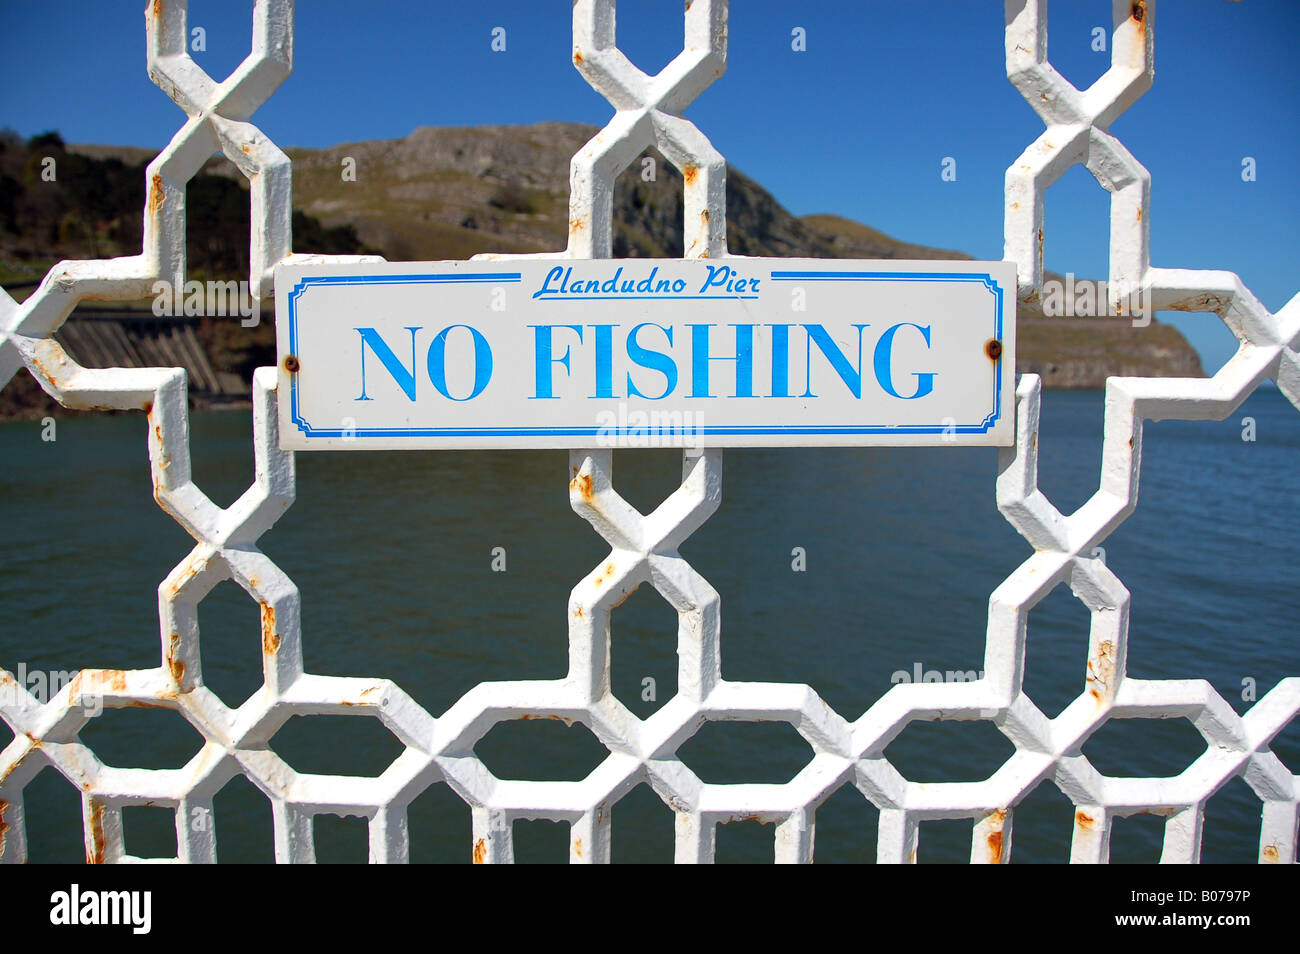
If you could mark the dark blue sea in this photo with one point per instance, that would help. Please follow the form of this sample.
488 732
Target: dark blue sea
393 554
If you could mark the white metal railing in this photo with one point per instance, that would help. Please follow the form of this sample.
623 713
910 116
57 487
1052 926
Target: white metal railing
645 549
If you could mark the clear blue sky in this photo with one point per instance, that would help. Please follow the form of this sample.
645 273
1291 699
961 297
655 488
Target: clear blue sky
857 125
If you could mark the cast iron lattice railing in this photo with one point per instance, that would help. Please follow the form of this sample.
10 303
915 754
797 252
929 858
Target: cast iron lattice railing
644 549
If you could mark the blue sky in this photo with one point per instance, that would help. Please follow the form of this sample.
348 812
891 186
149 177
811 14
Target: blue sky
858 124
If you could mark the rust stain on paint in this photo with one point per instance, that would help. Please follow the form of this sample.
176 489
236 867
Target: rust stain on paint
997 820
582 484
155 194
270 637
96 849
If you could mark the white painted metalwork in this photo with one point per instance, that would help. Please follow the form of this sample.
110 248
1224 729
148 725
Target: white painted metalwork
645 549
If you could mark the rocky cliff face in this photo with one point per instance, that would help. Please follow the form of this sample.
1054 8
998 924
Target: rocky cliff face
447 193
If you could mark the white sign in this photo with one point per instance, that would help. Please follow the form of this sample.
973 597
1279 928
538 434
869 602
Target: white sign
646 353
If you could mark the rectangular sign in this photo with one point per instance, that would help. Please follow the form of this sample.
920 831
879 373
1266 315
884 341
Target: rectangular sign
646 353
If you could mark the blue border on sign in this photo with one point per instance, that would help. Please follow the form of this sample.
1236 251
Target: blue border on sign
452 278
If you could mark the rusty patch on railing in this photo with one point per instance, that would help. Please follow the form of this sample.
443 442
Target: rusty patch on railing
1164 812
480 851
39 367
156 194
577 847
270 637
995 847
1268 855
1201 301
190 567
366 699
604 574
113 680
1102 671
1084 821
175 666
529 717
690 174
997 820
95 853
582 484
4 826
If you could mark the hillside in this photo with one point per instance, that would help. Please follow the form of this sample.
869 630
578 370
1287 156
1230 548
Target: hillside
449 193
